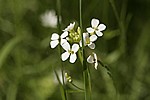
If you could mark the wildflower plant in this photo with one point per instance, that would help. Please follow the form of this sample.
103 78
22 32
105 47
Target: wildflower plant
72 42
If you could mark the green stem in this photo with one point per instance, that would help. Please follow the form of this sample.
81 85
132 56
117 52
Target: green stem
87 84
63 90
12 91
76 86
86 74
115 10
121 22
61 85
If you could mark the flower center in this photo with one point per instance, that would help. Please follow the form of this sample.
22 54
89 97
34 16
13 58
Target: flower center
95 29
70 51
87 40
92 33
75 36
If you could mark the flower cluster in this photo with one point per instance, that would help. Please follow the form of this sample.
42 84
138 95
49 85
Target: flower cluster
71 40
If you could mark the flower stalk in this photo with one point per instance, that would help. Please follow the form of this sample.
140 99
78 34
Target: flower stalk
86 74
121 20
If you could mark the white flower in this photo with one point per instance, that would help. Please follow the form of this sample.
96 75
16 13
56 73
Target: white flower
49 19
70 52
93 59
96 28
70 27
55 39
88 40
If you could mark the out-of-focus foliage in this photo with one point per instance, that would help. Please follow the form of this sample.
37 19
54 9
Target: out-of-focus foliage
27 62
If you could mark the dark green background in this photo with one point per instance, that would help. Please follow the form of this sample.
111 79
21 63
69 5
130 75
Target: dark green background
27 61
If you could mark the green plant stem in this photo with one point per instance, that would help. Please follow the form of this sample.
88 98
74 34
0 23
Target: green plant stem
76 86
61 85
123 10
86 74
87 84
12 91
115 10
63 89
72 91
121 22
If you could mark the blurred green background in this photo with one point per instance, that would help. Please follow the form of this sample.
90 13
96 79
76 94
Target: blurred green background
27 61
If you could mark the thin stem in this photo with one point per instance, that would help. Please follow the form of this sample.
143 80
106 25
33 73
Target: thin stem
12 91
61 85
110 86
80 11
64 93
121 22
103 65
77 86
87 85
80 56
123 10
72 91
115 10
86 74
83 52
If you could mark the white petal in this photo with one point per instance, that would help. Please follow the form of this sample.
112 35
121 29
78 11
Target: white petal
85 38
90 59
80 43
85 35
55 36
54 43
64 34
95 65
90 30
94 22
91 45
101 27
70 27
67 38
99 33
66 46
95 56
75 47
93 38
62 41
65 56
73 58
